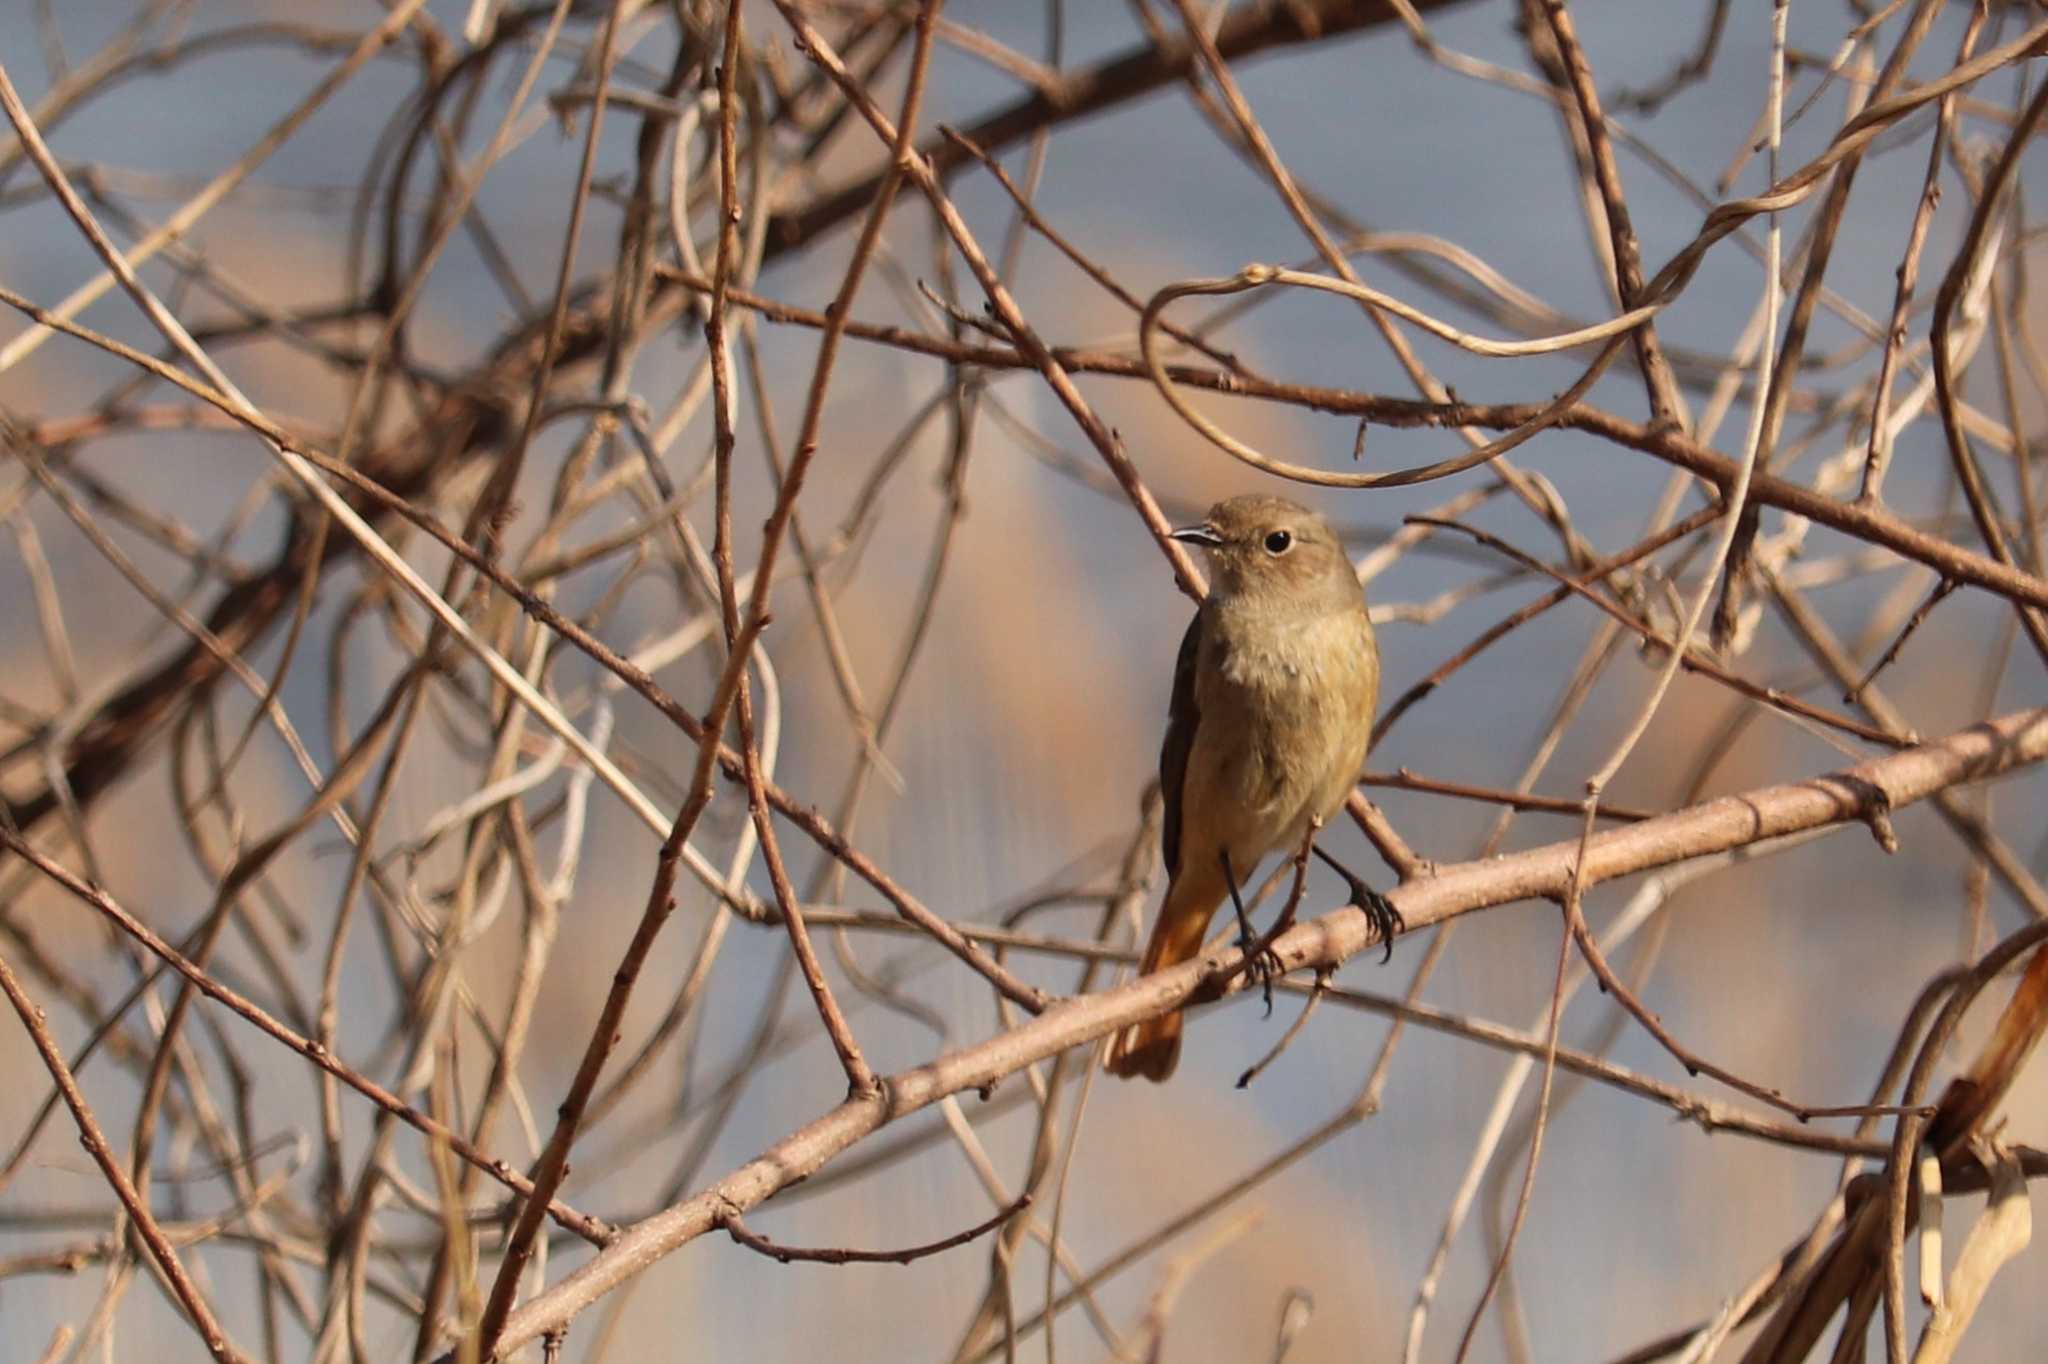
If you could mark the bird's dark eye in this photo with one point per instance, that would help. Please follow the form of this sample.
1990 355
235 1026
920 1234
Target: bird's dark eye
1279 542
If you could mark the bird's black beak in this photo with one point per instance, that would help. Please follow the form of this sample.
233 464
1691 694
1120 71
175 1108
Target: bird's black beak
1203 535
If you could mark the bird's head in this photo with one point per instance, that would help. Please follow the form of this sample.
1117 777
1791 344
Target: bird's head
1261 546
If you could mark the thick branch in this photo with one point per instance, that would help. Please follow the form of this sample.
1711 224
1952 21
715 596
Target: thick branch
1862 792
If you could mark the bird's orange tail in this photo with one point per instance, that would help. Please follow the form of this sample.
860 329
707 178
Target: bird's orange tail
1152 1048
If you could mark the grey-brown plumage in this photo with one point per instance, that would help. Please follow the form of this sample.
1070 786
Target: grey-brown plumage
1272 709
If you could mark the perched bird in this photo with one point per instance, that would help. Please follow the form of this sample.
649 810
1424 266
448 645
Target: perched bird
1272 709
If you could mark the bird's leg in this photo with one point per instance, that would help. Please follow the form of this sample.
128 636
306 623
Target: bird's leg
1259 962
1386 920
1245 936
1265 962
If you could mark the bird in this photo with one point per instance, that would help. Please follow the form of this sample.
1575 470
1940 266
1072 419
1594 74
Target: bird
1271 714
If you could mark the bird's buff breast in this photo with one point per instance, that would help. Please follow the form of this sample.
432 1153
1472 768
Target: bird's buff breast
1286 713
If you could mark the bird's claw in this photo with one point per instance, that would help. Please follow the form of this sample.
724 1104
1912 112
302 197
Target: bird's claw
1386 920
1262 964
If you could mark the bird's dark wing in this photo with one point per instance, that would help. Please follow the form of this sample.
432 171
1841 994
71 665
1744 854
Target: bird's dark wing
1180 737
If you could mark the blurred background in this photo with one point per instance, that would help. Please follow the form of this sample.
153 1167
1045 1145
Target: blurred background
968 662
